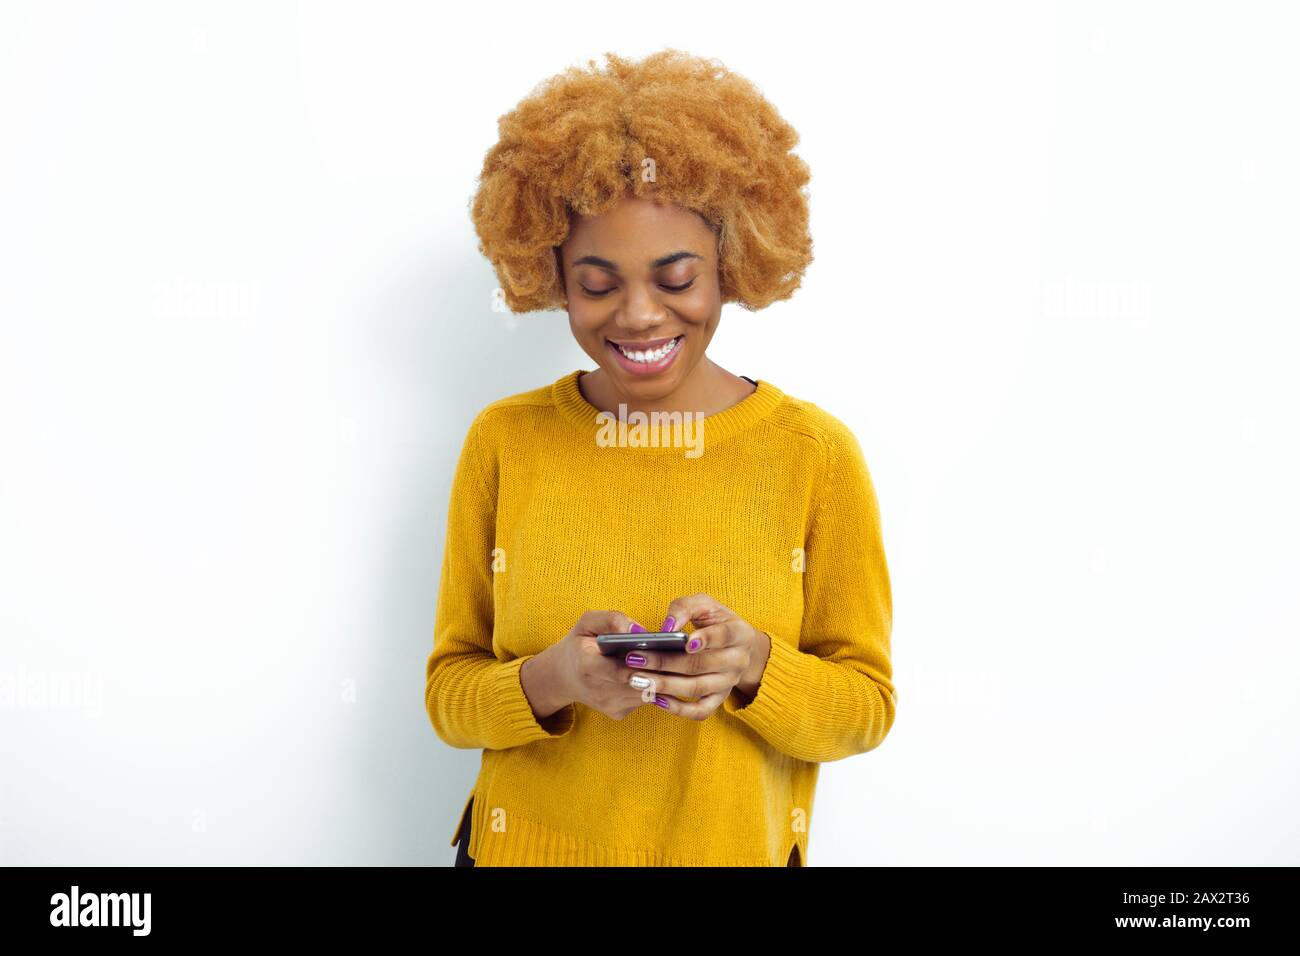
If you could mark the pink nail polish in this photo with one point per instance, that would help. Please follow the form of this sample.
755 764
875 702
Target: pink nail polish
635 660
669 623
636 629
659 699
695 643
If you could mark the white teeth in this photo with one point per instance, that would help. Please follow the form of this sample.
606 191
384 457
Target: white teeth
645 357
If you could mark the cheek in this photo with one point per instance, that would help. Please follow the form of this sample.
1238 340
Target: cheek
702 309
584 325
702 302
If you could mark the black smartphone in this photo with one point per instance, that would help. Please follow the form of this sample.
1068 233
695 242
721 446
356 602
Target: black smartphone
612 645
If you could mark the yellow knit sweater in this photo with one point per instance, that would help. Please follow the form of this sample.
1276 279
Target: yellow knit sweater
777 520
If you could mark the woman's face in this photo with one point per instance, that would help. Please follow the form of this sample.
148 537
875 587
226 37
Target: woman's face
645 277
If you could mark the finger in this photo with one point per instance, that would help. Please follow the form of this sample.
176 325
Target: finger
730 655
687 688
606 622
646 685
729 633
700 610
693 710
633 689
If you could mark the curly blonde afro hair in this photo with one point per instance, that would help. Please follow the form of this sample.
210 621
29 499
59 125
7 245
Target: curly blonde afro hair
673 128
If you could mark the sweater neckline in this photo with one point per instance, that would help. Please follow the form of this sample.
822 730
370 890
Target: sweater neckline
750 410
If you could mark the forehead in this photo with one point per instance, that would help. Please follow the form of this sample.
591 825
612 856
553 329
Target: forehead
639 229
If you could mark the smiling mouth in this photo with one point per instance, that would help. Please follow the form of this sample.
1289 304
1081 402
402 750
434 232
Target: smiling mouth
647 353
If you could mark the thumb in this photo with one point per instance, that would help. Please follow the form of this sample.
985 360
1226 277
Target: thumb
608 622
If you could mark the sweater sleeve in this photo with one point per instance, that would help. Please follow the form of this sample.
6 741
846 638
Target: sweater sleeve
473 699
828 692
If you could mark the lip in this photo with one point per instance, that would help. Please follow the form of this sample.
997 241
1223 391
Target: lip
638 345
646 368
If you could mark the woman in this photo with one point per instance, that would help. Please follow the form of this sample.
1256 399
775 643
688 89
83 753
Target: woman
640 199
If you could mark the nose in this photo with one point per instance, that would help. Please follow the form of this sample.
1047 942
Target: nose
641 311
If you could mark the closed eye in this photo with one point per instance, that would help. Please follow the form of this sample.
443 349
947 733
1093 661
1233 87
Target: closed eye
604 292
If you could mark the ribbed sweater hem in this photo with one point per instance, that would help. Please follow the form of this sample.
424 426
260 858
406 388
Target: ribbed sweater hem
526 842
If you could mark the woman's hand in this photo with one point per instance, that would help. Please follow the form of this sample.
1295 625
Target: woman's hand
574 670
723 653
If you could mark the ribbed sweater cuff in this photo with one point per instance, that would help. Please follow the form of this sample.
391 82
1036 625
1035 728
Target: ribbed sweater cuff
786 690
512 717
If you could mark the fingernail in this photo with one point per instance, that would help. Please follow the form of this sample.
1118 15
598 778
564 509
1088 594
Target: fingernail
639 681
695 642
669 623
661 701
635 660
636 629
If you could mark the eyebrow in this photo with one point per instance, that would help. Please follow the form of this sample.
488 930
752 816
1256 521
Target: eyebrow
657 264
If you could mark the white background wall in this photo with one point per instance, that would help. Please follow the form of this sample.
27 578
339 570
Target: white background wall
245 325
